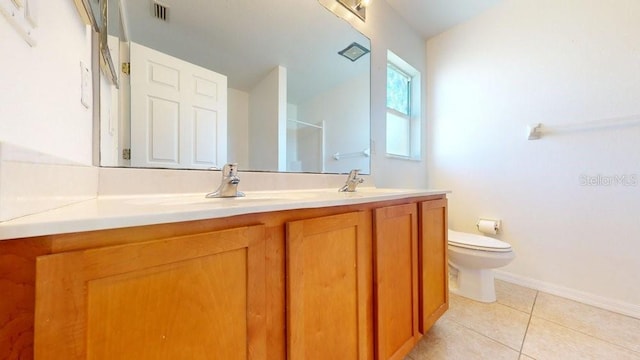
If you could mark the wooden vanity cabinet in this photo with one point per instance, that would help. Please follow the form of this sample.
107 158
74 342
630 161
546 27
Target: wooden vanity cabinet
359 281
192 297
411 274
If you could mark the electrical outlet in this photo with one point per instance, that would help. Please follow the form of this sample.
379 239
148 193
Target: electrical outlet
85 85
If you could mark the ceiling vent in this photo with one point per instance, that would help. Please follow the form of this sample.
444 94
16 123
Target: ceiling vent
354 51
160 11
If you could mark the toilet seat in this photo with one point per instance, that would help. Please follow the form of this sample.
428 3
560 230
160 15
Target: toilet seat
477 242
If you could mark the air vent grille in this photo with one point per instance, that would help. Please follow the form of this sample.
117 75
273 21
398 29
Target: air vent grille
160 11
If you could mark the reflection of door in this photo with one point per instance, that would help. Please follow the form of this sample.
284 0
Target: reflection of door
178 112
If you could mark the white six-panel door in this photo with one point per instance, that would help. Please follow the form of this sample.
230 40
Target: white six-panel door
178 112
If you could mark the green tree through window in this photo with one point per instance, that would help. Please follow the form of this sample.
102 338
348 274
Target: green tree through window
403 109
398 90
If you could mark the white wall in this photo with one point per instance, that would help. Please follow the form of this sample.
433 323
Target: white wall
345 113
293 156
40 86
110 150
558 63
238 127
268 121
44 111
388 31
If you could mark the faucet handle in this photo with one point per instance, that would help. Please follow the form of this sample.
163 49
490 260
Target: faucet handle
230 169
353 175
229 184
352 181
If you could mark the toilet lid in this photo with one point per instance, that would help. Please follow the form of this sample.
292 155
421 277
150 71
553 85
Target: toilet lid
477 242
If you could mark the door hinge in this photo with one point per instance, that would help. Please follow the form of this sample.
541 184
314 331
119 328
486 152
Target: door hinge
126 68
126 154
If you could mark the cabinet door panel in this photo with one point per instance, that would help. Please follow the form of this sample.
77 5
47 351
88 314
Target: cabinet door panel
434 288
196 297
396 280
329 288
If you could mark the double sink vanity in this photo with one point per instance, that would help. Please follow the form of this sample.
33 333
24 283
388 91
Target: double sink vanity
288 274
302 274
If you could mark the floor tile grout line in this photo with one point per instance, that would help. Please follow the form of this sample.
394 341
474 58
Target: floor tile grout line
514 308
483 335
598 308
528 324
534 306
506 306
585 334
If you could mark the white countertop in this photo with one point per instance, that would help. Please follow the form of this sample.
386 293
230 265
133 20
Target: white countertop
108 212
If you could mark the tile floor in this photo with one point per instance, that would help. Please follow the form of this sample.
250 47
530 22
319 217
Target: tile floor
526 324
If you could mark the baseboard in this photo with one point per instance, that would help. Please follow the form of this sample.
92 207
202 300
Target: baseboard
572 294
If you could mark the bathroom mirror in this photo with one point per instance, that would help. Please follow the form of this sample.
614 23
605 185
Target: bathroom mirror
323 122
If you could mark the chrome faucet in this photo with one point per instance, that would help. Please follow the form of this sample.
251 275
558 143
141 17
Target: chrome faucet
229 185
352 181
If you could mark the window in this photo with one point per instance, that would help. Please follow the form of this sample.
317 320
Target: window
403 109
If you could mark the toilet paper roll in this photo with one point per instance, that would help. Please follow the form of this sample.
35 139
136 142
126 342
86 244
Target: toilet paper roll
488 226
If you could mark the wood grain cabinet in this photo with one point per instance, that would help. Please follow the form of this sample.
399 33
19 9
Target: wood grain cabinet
433 279
190 297
359 281
329 288
411 274
396 280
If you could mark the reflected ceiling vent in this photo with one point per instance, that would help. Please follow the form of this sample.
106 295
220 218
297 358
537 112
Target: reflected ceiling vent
160 11
354 51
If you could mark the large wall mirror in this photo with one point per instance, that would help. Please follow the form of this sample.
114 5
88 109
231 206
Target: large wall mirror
279 85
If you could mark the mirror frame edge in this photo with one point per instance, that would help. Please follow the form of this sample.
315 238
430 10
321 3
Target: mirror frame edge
87 16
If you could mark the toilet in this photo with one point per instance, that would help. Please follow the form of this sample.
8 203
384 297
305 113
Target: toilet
472 259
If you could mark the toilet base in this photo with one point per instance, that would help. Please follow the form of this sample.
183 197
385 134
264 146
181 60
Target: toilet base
475 284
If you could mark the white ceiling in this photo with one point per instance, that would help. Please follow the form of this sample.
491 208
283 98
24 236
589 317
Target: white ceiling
431 17
245 39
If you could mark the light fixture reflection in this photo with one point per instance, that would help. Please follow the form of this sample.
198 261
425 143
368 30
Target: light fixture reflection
358 7
362 4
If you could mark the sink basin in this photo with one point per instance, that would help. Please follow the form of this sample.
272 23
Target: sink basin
199 199
257 198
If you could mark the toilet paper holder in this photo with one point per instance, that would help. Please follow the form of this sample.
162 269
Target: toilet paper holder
489 226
